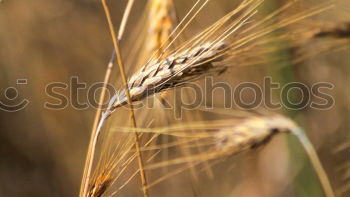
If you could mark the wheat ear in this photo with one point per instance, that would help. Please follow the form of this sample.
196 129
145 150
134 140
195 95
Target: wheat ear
172 71
198 56
257 131
233 136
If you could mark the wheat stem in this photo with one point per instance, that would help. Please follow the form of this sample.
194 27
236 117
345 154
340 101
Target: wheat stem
122 71
94 132
315 161
125 19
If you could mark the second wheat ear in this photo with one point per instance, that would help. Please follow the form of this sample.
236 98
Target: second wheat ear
233 136
258 131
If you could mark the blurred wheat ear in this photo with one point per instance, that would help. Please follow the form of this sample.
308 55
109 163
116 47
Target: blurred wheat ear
334 31
256 131
161 23
230 137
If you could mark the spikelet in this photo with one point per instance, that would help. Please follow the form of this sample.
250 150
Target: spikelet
100 185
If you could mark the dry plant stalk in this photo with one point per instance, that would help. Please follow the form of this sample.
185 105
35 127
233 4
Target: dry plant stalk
95 133
159 32
102 182
122 71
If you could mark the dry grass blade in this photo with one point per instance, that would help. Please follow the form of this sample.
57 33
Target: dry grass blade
94 133
316 163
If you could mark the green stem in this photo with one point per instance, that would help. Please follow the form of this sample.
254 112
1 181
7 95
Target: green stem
315 161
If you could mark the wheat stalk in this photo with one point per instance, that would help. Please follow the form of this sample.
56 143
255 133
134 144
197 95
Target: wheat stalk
94 132
161 29
128 96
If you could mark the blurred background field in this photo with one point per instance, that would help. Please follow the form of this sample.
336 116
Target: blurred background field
42 151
